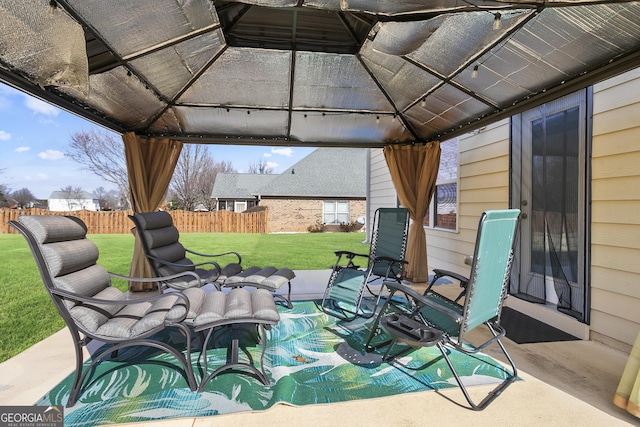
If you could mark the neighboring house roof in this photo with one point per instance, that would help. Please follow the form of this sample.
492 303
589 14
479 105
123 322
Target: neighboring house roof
239 185
325 172
64 195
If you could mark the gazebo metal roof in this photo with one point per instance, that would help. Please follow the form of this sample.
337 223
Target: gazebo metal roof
310 72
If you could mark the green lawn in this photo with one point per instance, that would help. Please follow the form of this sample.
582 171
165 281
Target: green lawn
27 314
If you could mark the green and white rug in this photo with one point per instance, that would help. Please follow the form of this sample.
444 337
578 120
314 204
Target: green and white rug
311 358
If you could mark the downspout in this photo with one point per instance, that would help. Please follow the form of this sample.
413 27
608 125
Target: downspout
367 194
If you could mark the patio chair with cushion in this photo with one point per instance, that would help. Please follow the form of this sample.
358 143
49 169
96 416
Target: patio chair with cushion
431 319
385 260
167 256
91 307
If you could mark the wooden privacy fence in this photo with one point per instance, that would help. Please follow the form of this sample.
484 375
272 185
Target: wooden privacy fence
118 222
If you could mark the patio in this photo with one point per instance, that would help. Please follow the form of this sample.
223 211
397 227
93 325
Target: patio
564 383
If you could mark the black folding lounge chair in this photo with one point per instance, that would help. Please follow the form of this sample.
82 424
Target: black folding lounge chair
432 319
93 309
385 261
167 256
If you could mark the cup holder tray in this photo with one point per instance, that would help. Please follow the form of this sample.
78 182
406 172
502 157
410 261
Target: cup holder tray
410 331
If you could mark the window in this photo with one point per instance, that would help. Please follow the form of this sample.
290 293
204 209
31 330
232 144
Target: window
443 209
335 212
446 205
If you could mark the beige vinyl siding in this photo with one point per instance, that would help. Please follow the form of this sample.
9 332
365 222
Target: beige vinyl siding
483 184
615 230
382 193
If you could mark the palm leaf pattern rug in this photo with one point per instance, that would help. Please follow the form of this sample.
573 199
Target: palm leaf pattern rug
311 358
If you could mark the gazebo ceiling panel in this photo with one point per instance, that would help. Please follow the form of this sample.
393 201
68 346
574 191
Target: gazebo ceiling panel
230 123
336 82
128 29
122 97
403 81
353 129
169 70
447 105
245 77
318 72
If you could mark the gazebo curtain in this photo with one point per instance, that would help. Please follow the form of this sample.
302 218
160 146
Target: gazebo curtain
150 165
414 170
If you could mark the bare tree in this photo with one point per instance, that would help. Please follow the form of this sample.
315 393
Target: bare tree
23 198
262 167
206 181
4 196
72 196
194 176
100 153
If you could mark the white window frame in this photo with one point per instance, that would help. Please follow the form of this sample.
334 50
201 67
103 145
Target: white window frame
335 212
432 205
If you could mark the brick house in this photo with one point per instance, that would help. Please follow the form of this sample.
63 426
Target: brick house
326 187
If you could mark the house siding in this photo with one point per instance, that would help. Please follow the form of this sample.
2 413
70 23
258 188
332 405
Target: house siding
382 193
297 215
615 224
483 184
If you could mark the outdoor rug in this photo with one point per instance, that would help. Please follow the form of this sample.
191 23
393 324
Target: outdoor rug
524 329
311 358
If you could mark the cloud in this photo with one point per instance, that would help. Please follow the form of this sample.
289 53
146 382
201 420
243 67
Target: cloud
51 155
285 151
40 107
38 177
22 149
4 136
272 165
267 154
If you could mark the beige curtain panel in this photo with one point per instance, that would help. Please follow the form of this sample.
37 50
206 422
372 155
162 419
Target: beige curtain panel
150 165
414 170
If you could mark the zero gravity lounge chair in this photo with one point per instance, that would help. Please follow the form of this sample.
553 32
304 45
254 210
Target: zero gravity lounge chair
90 306
431 319
167 256
385 261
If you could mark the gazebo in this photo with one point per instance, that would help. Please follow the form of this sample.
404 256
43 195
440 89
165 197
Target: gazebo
402 75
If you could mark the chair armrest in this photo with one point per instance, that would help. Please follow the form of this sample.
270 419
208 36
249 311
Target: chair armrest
85 299
421 300
442 273
216 255
349 254
177 264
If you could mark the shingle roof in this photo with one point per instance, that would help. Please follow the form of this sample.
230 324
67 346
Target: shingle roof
65 195
239 185
325 172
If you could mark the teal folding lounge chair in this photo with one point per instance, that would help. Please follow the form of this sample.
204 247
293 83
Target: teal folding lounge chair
432 319
385 261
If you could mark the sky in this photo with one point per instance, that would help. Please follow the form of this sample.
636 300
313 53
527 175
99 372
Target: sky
35 135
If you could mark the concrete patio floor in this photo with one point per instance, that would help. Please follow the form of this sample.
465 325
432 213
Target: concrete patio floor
563 384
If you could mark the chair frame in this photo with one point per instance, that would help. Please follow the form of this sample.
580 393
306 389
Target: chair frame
394 270
82 337
457 313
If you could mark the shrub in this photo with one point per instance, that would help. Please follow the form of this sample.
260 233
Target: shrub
318 227
348 227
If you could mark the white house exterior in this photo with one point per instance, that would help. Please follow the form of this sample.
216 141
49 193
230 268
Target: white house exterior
61 201
492 171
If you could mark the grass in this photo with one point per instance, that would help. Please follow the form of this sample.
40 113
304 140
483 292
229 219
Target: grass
27 314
